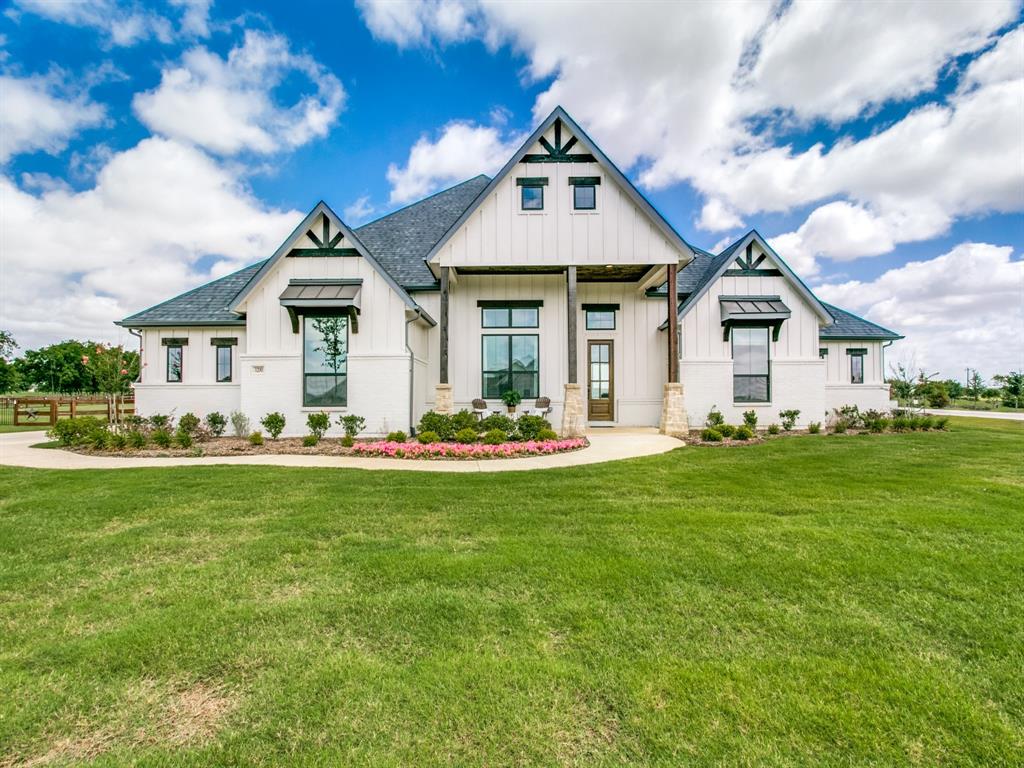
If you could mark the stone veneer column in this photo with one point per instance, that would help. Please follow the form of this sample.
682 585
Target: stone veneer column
673 411
574 414
443 400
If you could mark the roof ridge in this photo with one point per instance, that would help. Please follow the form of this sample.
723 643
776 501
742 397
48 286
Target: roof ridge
422 200
830 307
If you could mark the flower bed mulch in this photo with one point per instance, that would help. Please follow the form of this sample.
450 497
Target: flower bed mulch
236 446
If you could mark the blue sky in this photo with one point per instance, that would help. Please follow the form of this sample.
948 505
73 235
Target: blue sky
150 147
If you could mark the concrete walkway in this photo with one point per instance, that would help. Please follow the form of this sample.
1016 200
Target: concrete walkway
975 414
605 445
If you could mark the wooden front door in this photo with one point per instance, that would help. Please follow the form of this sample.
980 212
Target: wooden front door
600 381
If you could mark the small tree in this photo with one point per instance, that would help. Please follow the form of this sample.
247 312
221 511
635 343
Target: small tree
901 383
1013 388
274 424
352 424
113 370
975 385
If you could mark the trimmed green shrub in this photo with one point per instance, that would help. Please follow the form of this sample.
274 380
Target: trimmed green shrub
789 419
256 438
274 424
215 422
160 421
850 415
515 437
711 435
463 420
189 423
428 437
715 418
438 423
726 430
773 429
318 424
73 431
352 425
498 421
118 441
814 427
310 440
876 424
239 423
466 436
348 441
183 438
495 437
942 422
926 422
743 432
137 439
99 439
547 434
398 436
161 438
750 419
530 426
839 427
900 423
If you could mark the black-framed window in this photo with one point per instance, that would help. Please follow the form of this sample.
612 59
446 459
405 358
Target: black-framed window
532 198
600 319
857 369
822 352
325 360
223 363
175 363
510 317
751 368
584 197
510 362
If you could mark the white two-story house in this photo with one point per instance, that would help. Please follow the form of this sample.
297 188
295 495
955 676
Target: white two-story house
556 278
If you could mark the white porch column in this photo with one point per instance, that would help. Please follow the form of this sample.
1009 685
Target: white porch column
574 414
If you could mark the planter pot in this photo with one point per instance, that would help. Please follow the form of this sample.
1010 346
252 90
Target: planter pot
511 410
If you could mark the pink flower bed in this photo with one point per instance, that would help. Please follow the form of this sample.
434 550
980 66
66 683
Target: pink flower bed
467 451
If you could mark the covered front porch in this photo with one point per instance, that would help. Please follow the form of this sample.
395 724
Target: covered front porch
587 337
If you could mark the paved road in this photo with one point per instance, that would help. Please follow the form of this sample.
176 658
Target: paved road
976 414
605 445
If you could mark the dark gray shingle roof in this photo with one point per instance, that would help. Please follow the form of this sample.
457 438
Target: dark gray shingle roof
399 241
848 326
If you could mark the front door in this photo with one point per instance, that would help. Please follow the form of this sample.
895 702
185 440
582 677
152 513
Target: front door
600 381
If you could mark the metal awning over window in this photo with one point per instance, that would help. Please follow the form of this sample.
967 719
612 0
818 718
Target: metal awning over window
322 296
740 311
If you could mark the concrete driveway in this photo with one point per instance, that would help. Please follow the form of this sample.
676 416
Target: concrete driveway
976 414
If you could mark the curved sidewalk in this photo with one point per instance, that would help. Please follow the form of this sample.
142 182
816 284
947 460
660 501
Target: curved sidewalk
605 445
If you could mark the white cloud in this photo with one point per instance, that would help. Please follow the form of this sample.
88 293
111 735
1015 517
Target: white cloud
409 24
460 151
154 212
122 24
716 216
359 211
195 19
37 115
963 308
227 105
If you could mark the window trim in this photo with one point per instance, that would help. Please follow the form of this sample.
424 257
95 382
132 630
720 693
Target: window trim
732 351
856 354
522 198
484 372
508 307
587 311
181 365
216 363
575 203
312 316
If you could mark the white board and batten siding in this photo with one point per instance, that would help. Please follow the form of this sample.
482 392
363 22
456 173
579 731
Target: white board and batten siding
198 392
500 233
839 390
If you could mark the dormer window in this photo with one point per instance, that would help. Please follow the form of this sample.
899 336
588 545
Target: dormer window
532 192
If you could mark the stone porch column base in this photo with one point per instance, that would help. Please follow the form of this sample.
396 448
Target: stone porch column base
673 411
574 414
444 402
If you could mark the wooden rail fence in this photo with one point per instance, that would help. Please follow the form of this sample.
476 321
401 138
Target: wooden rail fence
46 411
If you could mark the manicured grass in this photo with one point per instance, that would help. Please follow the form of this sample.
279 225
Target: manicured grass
831 600
983 405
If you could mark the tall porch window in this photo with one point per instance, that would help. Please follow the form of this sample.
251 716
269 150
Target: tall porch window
511 362
325 360
751 368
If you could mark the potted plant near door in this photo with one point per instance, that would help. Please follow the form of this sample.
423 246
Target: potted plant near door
511 399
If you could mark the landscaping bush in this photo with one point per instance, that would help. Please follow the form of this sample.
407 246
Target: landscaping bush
160 421
839 428
875 423
189 423
715 418
849 414
547 434
438 423
256 438
183 438
511 398
161 438
773 429
99 438
274 424
515 437
118 441
789 419
942 422
352 425
750 419
530 426
239 423
137 439
348 441
466 436
463 420
814 427
900 423
495 437
498 421
428 437
398 436
711 435
318 424
743 432
73 431
215 422
310 440
726 430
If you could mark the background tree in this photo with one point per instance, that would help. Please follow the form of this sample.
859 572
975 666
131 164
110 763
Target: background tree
57 368
954 388
1012 388
9 378
901 383
113 369
7 344
975 385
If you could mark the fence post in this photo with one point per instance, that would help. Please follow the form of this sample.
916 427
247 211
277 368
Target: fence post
53 412
74 407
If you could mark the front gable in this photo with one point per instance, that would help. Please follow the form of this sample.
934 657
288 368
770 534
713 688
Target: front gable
613 225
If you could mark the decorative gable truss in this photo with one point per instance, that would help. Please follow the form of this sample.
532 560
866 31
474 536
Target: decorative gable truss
324 244
558 152
748 266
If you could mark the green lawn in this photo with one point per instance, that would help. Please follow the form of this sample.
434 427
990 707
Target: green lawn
836 600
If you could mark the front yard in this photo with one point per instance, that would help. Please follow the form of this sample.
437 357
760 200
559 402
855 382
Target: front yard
848 599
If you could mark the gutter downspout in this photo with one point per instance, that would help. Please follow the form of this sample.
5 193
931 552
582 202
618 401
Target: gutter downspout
138 335
412 368
884 347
